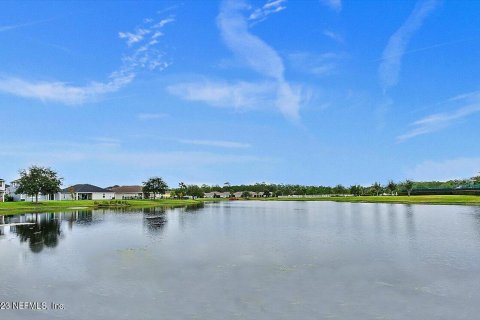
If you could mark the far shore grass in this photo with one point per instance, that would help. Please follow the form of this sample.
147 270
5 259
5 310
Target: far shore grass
9 208
431 199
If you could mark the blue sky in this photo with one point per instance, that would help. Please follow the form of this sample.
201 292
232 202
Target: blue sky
310 92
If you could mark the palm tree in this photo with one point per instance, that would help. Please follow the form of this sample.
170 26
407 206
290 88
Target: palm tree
376 187
408 184
392 187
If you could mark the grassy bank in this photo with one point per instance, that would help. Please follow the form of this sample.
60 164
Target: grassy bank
8 208
433 199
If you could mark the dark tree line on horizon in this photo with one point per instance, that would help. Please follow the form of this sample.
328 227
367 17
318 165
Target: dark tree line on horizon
42 180
276 190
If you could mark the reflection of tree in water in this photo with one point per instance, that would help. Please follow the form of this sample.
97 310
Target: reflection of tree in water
155 218
41 234
194 207
186 211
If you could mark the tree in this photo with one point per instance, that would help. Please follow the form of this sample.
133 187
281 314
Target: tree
38 180
392 187
476 179
182 189
246 194
377 187
155 185
226 186
194 191
356 190
339 189
408 185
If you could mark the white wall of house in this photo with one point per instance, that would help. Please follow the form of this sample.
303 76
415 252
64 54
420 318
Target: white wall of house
128 195
94 195
10 191
2 190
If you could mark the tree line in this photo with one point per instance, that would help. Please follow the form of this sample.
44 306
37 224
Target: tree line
38 180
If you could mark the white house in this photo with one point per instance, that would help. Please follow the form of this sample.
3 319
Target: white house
86 192
12 188
127 192
217 194
2 190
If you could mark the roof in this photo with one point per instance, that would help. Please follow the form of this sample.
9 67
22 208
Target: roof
136 189
85 188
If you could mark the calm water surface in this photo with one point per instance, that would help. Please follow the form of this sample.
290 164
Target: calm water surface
247 260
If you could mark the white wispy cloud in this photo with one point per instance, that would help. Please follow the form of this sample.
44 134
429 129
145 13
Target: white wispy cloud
270 7
334 36
134 37
217 143
257 55
317 64
145 55
68 153
442 170
335 5
151 116
21 25
62 92
390 66
239 95
442 120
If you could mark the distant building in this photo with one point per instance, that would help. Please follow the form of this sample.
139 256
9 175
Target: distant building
127 192
217 194
238 194
2 190
86 192
12 188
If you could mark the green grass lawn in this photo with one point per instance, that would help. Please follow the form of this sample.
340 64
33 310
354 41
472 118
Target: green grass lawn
435 199
23 206
7 208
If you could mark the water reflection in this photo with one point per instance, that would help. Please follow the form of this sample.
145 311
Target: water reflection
155 219
40 234
42 230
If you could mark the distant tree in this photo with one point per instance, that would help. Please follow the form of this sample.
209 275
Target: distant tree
226 187
476 179
408 185
182 190
246 194
155 185
38 180
376 188
194 191
392 187
339 189
356 190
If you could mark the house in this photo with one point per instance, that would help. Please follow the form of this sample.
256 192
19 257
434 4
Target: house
127 192
2 190
217 194
12 188
86 192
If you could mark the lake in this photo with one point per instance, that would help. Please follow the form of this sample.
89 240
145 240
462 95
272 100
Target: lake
246 260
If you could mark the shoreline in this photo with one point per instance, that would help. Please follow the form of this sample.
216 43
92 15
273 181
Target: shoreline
11 208
428 200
